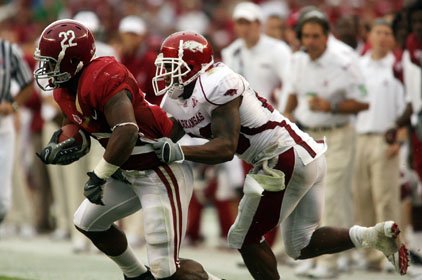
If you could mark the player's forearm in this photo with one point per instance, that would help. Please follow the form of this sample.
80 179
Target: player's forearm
213 152
10 107
291 104
177 131
349 107
120 145
404 119
24 94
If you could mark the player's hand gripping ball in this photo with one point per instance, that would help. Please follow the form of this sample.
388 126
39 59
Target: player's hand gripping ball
67 144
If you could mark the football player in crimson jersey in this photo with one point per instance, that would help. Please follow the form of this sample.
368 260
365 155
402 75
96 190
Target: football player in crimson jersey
285 186
103 99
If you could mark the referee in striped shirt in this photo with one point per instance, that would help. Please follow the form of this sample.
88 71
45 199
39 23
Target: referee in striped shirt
12 68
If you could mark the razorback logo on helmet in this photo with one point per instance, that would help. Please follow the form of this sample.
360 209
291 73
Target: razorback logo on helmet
193 46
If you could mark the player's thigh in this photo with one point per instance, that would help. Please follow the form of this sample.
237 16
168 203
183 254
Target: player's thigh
305 217
259 213
165 196
165 199
119 201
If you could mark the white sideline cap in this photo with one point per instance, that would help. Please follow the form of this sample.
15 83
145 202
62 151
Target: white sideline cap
132 24
248 11
89 19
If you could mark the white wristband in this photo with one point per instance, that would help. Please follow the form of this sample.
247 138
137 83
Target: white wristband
104 169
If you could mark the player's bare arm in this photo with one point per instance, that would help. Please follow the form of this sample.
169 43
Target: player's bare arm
225 127
291 106
348 106
119 114
7 108
121 118
177 131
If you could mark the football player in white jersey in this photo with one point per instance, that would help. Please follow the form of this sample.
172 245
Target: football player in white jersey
209 100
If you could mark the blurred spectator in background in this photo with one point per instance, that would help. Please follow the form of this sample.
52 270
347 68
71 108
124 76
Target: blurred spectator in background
263 61
160 16
13 68
347 31
37 173
220 31
376 177
31 198
275 14
192 17
275 27
137 55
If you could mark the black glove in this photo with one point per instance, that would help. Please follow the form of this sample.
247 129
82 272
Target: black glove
65 152
93 189
118 175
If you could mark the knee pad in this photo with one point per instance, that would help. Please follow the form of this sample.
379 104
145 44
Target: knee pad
296 241
90 218
78 219
292 250
157 220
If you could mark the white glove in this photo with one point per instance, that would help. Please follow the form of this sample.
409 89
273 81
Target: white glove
168 151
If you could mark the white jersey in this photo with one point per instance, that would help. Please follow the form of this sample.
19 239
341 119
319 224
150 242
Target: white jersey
264 132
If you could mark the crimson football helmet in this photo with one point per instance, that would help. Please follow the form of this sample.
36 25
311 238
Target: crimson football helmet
183 57
64 48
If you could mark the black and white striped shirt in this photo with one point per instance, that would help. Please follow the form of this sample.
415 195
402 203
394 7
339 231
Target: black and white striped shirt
12 67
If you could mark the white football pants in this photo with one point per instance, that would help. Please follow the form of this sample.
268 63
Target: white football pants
163 194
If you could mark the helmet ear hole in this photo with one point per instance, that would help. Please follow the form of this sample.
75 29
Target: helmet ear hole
74 60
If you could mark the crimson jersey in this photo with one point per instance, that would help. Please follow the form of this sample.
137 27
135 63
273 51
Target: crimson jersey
100 80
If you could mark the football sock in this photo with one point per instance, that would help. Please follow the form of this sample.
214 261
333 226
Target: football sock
356 235
129 263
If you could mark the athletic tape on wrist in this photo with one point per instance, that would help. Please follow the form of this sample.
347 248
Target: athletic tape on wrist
105 169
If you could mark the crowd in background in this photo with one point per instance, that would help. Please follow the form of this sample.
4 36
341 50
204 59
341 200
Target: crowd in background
44 202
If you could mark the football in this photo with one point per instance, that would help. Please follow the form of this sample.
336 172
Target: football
69 131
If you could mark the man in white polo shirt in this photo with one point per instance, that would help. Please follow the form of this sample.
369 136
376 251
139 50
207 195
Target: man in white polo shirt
376 178
262 60
326 91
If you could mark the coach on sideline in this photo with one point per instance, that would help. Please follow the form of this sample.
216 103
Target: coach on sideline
12 67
